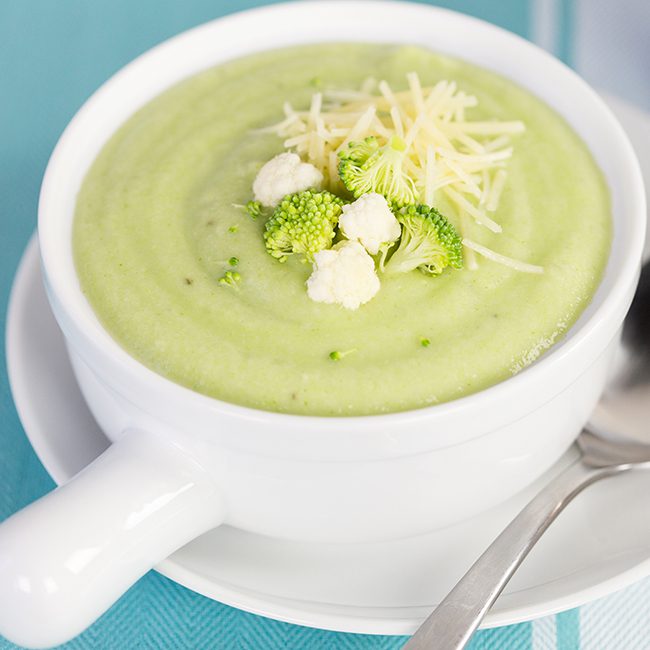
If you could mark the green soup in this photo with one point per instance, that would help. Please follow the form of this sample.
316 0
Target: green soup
157 221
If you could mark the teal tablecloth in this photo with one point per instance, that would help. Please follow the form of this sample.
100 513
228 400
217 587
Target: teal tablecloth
52 56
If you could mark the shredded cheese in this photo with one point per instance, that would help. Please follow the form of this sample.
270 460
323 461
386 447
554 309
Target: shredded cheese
502 259
430 173
416 91
468 253
497 188
447 154
396 117
479 216
385 90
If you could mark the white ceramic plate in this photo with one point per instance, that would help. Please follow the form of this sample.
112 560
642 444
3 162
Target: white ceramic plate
601 544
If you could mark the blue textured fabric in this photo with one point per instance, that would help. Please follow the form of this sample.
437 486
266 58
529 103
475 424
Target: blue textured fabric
568 630
52 56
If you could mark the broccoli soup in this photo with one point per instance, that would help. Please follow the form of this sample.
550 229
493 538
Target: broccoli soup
341 229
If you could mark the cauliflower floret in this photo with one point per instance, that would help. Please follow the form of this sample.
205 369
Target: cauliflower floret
344 275
282 175
370 221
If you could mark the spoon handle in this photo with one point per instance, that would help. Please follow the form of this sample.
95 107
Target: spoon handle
456 618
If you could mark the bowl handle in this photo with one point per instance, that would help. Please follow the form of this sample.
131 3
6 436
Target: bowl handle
66 558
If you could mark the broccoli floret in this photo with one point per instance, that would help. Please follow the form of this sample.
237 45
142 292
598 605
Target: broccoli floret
366 167
428 242
303 223
337 355
254 209
230 279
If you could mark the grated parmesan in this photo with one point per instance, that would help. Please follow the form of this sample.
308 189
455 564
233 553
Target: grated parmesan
447 154
502 259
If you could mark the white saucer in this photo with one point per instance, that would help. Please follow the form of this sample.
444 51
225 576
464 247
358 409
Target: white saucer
601 544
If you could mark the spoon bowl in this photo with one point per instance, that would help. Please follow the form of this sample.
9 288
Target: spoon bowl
623 408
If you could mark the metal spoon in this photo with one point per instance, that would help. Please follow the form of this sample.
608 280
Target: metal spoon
453 622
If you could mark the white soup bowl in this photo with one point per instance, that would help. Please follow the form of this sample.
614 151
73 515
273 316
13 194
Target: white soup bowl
183 463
